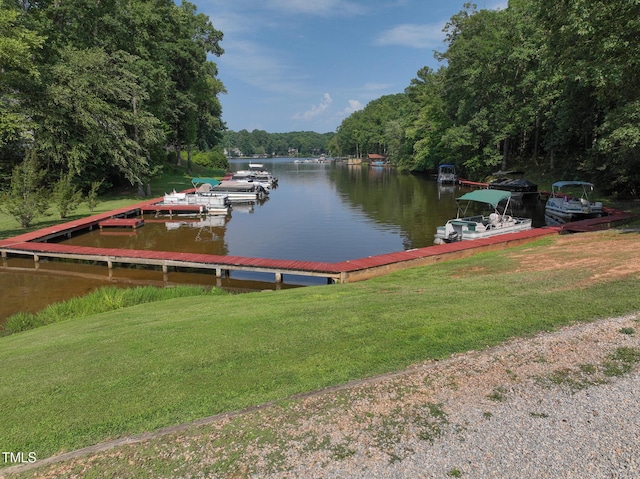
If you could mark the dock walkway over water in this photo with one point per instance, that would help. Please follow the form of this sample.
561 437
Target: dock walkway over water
37 245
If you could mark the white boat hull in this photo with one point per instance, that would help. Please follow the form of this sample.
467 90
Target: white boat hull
214 204
565 207
479 227
240 191
571 210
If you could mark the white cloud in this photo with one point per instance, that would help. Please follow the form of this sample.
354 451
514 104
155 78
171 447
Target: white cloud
500 5
315 110
354 105
412 35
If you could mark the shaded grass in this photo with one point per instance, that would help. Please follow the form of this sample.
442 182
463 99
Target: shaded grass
137 369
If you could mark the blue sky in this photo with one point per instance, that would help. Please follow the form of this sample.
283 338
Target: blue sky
305 65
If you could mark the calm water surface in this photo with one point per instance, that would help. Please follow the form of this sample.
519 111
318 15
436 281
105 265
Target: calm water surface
319 212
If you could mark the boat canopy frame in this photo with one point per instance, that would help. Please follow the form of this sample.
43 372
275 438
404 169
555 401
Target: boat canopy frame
447 168
562 184
204 181
490 197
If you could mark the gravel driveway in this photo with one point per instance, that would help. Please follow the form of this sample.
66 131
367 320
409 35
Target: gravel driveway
560 405
564 404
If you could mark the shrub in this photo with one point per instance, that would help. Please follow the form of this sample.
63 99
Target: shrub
92 195
26 198
66 196
211 159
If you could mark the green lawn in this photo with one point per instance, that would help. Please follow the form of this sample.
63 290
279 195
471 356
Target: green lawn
82 381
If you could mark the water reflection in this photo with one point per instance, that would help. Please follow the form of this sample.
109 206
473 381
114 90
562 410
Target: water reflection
319 212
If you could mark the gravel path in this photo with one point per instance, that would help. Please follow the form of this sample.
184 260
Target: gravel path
554 406
564 404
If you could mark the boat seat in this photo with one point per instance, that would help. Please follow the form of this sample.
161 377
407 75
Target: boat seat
494 219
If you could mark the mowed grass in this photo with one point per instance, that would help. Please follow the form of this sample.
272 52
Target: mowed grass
86 380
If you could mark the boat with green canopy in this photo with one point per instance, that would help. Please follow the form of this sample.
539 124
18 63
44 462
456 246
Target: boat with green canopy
203 195
472 223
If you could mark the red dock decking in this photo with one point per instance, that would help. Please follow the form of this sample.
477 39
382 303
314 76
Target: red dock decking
596 224
472 184
121 223
151 208
35 244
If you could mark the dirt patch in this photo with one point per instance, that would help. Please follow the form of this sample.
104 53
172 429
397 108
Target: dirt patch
617 254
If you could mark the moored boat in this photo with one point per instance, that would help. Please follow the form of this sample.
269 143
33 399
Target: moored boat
240 191
211 204
447 174
472 227
521 189
570 201
263 178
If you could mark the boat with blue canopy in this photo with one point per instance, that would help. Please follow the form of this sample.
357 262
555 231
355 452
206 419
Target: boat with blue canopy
570 201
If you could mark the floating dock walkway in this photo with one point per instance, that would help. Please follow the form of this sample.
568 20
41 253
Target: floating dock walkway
36 245
121 223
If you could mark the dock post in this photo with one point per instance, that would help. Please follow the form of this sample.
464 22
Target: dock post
218 272
278 277
109 263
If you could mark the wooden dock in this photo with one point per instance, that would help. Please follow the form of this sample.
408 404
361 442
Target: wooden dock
121 223
596 224
36 244
342 272
173 209
472 184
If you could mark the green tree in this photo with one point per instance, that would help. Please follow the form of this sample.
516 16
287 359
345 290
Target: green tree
595 48
89 117
139 72
92 195
490 81
428 122
18 47
66 196
26 199
378 128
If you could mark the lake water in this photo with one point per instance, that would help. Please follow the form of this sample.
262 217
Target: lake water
319 212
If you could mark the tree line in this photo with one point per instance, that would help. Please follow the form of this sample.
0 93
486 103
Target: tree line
541 84
261 143
100 91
